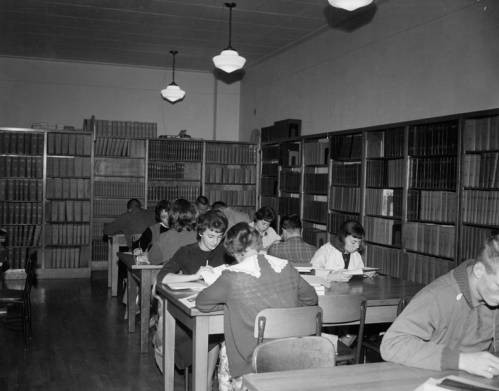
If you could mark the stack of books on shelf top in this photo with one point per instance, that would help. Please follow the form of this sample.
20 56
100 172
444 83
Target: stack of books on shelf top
120 129
281 130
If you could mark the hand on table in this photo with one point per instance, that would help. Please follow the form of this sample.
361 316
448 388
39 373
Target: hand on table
339 276
479 363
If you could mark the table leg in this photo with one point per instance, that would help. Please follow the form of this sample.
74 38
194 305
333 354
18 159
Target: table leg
168 348
131 290
114 269
109 262
200 353
145 307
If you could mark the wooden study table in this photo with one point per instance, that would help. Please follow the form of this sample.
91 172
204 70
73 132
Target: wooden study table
113 247
376 377
139 276
382 294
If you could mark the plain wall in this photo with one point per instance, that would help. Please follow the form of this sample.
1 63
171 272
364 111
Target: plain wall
57 92
415 59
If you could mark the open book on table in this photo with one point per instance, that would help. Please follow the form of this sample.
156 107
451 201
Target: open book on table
455 383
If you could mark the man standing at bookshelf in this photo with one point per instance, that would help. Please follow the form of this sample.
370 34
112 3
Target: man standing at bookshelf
452 323
292 247
133 222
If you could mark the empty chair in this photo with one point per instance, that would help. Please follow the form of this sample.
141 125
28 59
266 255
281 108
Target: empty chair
345 310
286 354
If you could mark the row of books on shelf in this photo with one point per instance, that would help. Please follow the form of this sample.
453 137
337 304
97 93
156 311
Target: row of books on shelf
175 150
316 152
481 170
430 238
99 250
174 170
383 202
68 167
385 173
231 153
23 235
119 167
21 212
156 192
271 153
110 207
125 129
346 174
472 239
67 234
120 147
290 181
103 188
439 206
346 199
433 139
290 155
68 188
433 173
66 258
68 211
21 143
481 134
315 211
383 231
481 207
408 266
21 166
336 219
287 206
230 174
269 186
315 183
98 228
314 236
385 144
346 147
233 197
69 144
17 256
21 189
273 202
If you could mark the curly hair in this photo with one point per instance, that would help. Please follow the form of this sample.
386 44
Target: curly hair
161 206
212 219
182 216
265 213
240 237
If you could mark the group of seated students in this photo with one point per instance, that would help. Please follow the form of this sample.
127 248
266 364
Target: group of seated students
452 323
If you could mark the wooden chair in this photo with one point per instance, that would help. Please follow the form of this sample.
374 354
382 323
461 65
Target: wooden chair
20 299
341 311
293 353
273 323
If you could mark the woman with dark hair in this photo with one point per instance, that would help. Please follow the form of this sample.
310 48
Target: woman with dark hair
152 233
256 282
342 253
182 222
264 217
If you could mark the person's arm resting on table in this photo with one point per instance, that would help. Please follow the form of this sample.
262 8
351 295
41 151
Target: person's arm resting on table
213 297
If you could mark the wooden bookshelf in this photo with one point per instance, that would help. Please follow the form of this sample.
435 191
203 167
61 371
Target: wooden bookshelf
269 176
290 179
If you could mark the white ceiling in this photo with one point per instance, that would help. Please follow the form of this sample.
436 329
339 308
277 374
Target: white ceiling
142 32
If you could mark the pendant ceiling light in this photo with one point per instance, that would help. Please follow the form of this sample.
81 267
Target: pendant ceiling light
349 5
173 92
229 60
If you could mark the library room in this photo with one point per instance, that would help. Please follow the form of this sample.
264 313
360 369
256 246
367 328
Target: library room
252 195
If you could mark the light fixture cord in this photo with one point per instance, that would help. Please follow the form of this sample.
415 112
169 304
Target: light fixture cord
230 6
173 52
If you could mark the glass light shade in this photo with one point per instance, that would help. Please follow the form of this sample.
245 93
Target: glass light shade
229 61
172 93
349 5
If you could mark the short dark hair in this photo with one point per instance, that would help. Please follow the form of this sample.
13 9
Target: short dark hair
291 222
351 227
265 213
488 256
218 205
133 203
161 206
182 216
240 237
202 200
212 219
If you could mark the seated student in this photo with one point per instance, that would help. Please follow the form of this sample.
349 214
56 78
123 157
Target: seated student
233 216
343 253
190 261
452 323
151 234
133 222
292 247
263 218
182 221
202 204
257 282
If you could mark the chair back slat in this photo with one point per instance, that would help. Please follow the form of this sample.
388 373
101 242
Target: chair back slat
288 322
342 309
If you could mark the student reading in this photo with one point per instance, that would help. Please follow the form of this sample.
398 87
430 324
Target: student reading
257 282
264 217
452 323
152 233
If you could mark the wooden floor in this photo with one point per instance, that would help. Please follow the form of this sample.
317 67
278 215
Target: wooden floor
80 342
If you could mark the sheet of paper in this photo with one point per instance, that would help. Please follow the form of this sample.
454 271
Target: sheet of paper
192 285
211 274
316 281
304 269
454 383
189 301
